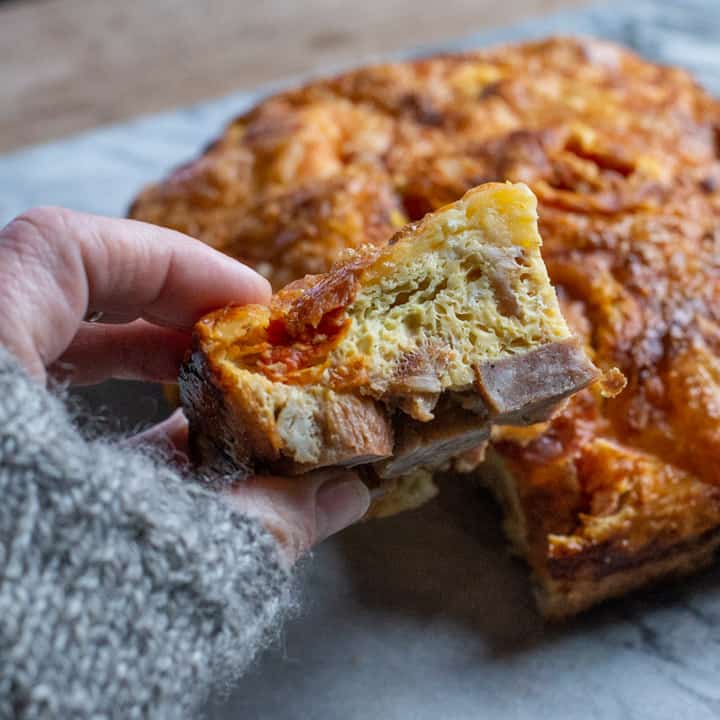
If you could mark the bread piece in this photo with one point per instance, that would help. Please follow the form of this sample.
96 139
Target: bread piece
401 357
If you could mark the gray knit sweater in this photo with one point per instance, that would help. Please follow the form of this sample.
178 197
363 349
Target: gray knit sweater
125 590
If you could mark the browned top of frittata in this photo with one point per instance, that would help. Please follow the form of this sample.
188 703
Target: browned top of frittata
623 157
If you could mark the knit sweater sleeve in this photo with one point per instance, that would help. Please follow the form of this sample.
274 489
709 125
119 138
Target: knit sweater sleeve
125 591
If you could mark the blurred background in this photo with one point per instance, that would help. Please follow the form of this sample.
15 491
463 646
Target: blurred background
69 65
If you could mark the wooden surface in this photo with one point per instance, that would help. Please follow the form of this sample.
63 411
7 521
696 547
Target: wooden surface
67 65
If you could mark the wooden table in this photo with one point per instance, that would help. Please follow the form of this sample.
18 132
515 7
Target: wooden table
67 65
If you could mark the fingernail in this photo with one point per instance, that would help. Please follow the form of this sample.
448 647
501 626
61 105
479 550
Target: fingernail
340 502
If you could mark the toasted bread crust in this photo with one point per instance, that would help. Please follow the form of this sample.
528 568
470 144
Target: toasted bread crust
623 157
228 440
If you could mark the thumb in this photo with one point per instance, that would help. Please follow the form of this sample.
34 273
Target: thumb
302 511
338 503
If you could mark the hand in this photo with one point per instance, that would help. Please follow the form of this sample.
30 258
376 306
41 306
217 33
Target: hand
146 286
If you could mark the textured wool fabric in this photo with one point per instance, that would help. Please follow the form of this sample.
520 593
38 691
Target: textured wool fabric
125 590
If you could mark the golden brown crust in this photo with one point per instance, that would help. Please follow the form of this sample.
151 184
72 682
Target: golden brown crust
560 598
623 157
345 161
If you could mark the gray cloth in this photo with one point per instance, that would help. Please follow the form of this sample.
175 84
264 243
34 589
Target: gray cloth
125 590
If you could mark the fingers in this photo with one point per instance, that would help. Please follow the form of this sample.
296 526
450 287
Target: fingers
303 511
171 434
57 265
135 351
339 503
